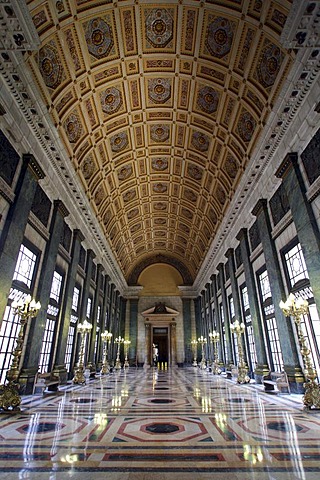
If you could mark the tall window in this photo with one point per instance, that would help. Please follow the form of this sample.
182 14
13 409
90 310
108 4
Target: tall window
300 286
249 328
276 359
51 322
23 279
72 327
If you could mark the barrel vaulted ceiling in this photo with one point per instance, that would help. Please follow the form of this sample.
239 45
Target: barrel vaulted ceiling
159 106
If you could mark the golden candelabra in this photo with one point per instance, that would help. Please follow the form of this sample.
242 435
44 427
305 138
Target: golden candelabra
9 393
194 344
215 338
118 341
106 339
202 340
126 344
83 328
296 308
239 328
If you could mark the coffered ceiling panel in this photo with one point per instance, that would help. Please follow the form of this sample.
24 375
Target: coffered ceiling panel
159 106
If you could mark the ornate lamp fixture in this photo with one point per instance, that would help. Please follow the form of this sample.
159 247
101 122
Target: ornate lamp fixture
106 339
126 344
295 308
239 328
9 393
202 340
83 328
118 340
194 344
215 338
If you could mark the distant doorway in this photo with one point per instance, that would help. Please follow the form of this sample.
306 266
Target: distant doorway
161 340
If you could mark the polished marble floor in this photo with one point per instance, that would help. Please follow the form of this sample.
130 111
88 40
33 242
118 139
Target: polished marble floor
161 424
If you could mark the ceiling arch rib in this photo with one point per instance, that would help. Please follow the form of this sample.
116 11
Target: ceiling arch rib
159 107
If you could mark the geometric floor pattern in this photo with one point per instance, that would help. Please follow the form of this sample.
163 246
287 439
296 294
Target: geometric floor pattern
174 424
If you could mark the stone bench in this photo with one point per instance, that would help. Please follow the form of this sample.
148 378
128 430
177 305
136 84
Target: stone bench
46 382
275 382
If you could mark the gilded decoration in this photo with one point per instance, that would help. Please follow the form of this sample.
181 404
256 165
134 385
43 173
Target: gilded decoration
125 172
159 90
50 65
73 127
200 141
159 133
88 167
246 126
111 100
219 36
99 37
159 164
207 99
158 106
159 27
119 142
269 64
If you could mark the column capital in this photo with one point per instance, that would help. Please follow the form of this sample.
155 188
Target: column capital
259 207
61 208
290 159
77 234
33 165
229 253
242 234
91 254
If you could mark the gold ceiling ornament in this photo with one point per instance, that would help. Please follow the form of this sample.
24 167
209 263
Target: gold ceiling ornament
159 105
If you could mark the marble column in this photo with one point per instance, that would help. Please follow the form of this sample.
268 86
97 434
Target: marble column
197 309
104 309
226 313
304 219
96 301
66 308
187 330
147 360
37 327
133 328
15 224
287 341
262 361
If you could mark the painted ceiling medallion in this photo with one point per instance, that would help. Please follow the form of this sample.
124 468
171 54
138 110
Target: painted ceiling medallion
160 206
99 37
133 213
160 221
111 100
207 99
160 188
73 127
159 164
50 65
129 195
194 172
159 133
200 141
159 27
88 167
269 64
119 141
246 126
125 172
159 90
219 36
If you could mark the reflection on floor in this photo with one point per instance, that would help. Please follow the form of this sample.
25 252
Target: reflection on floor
176 424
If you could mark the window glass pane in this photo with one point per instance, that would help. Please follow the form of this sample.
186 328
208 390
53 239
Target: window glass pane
25 266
